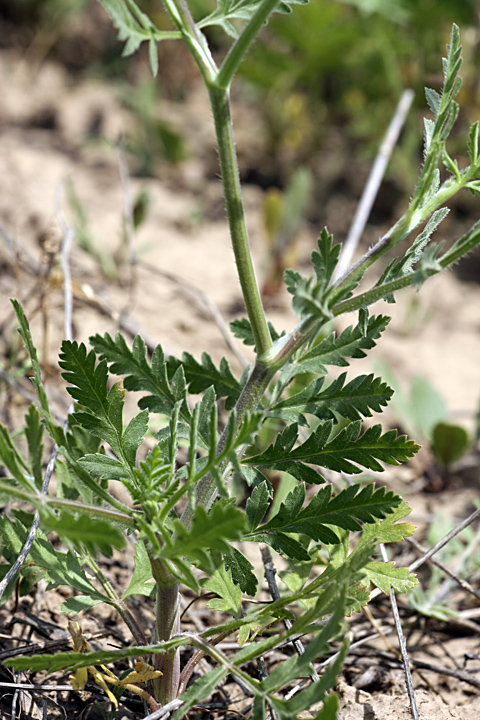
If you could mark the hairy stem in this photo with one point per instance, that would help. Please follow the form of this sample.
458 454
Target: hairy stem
219 99
252 393
167 624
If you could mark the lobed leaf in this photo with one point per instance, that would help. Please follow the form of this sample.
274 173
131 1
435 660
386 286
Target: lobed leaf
228 10
347 452
209 532
387 530
201 376
359 397
135 27
242 329
347 510
141 376
385 576
335 349
229 593
258 504
326 259
241 570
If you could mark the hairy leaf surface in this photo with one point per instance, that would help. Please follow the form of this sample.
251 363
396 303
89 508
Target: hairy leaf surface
335 349
360 397
347 452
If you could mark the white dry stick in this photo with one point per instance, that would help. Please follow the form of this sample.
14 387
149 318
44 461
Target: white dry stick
374 181
270 573
67 237
165 711
403 644
33 530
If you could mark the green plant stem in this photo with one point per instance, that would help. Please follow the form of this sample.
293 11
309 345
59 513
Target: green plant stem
40 501
252 393
404 226
219 100
240 47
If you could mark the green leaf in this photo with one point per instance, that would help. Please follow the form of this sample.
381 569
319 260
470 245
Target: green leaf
241 570
34 435
143 377
445 109
473 143
135 27
347 452
330 709
352 506
258 504
230 594
12 460
141 580
417 256
88 383
464 244
334 350
385 576
298 573
228 10
74 660
359 397
104 466
200 376
132 436
316 692
326 259
242 329
449 442
433 99
79 603
288 546
63 568
55 430
210 531
389 529
84 531
153 472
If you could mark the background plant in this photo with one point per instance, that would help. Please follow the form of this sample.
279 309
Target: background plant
98 446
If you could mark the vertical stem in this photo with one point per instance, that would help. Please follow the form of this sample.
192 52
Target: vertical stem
167 624
219 99
252 393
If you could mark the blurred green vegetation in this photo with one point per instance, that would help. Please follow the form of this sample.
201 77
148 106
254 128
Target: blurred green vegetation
331 69
343 64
